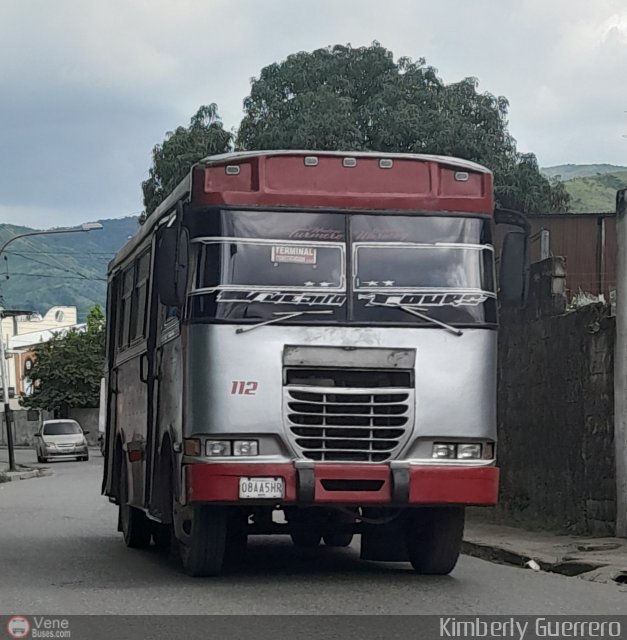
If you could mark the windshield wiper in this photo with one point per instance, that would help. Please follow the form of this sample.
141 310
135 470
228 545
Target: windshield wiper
423 316
281 315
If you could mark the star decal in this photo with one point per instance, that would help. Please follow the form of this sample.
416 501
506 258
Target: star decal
309 283
373 283
326 284
388 283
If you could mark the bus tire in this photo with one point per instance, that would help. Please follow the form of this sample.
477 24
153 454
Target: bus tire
203 551
337 539
306 539
135 525
433 537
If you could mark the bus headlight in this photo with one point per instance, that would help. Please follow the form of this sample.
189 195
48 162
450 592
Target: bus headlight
443 450
468 451
460 450
245 448
218 448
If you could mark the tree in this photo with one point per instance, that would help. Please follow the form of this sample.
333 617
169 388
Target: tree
174 157
360 99
67 369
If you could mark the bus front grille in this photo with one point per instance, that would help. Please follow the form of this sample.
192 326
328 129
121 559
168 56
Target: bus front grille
359 424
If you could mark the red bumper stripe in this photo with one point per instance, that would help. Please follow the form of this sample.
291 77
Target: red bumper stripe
349 484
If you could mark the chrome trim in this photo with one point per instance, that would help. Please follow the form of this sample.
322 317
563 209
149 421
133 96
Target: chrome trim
332 427
433 462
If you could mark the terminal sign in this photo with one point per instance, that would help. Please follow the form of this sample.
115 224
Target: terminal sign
299 255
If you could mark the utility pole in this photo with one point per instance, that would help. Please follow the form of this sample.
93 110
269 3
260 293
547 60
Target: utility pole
5 397
620 366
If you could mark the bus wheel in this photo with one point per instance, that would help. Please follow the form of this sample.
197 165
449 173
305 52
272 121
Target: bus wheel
136 528
338 539
306 539
433 537
203 551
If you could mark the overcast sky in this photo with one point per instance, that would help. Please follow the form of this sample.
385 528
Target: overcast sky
87 87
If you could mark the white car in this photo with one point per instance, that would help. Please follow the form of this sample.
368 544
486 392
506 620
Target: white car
61 438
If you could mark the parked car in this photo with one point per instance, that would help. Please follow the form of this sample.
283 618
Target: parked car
61 438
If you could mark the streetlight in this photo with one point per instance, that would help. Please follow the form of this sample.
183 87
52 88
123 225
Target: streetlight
88 226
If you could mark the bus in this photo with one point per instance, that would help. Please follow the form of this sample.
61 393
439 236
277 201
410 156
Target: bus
304 343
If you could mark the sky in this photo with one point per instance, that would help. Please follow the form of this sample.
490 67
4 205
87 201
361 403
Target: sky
88 87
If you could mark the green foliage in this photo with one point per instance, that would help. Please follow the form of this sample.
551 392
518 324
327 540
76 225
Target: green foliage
344 98
595 194
67 369
172 160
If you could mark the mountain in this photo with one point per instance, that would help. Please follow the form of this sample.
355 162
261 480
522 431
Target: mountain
595 194
569 171
66 269
592 187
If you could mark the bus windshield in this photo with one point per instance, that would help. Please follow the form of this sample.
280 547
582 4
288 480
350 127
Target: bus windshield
265 263
362 267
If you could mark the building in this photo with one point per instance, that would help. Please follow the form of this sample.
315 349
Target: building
20 333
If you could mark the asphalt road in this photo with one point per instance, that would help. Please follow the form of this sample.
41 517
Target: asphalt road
60 553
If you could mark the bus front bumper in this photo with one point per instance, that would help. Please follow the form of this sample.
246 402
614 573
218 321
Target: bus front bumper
308 483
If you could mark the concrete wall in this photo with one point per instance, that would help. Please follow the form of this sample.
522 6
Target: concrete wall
88 419
24 429
555 414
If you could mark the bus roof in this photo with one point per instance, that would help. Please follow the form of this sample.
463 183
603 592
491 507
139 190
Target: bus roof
328 179
238 156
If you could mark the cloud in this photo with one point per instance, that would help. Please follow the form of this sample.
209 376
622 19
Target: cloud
89 87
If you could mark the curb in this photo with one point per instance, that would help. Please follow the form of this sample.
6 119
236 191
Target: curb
567 565
493 553
11 476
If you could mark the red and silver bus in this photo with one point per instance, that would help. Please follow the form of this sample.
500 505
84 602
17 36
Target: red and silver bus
304 343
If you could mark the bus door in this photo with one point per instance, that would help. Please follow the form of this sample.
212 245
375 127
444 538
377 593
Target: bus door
165 393
129 394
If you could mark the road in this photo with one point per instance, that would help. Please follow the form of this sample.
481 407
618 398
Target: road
60 553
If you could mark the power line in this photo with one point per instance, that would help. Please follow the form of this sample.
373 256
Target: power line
47 264
44 275
67 253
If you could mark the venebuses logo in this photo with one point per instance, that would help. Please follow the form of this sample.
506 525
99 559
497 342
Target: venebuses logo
18 627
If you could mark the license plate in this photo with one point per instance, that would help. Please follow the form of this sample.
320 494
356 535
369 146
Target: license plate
261 488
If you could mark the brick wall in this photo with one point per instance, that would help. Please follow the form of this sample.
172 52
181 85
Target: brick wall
555 413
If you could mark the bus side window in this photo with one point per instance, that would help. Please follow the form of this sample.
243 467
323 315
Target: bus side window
139 298
124 308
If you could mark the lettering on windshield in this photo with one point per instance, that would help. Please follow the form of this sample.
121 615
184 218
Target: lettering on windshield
432 299
283 297
316 233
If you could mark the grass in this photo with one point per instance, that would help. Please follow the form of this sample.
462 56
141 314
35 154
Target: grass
595 194
3 477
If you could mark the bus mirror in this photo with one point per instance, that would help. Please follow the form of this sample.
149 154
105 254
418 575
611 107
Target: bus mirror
514 269
172 266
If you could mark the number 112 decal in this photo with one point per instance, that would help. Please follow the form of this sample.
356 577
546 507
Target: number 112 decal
244 387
